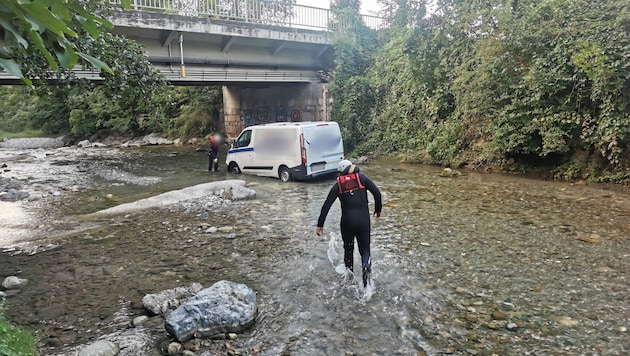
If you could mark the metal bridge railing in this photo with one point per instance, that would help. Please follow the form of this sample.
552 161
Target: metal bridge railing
266 12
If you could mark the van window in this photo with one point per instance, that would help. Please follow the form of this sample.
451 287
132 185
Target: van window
244 139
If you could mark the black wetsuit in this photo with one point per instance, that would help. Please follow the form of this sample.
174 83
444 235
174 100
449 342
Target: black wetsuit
355 218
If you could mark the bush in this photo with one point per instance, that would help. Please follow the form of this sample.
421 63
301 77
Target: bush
14 341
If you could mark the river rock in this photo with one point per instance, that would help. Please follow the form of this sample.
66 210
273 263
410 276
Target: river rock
100 348
209 190
567 321
237 192
168 299
84 144
137 321
222 308
155 139
13 195
13 282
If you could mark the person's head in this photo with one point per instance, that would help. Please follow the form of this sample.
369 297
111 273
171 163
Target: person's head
346 167
217 137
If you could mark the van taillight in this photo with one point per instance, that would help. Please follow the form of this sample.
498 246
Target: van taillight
302 149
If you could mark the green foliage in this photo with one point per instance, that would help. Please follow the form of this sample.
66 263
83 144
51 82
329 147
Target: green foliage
21 134
47 27
191 111
479 82
619 177
67 104
14 341
569 171
15 106
354 44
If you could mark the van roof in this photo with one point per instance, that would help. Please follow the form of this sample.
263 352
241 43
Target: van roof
296 124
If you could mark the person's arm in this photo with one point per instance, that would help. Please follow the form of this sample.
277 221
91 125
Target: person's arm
330 199
378 200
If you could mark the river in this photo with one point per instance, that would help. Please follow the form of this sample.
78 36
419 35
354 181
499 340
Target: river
477 264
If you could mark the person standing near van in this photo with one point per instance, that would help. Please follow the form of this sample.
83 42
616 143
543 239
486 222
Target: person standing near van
351 188
213 152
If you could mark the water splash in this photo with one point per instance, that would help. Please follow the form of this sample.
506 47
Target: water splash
368 290
335 253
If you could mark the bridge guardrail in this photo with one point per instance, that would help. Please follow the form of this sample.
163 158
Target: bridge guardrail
267 12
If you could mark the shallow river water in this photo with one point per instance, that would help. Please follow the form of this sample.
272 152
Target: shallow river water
477 264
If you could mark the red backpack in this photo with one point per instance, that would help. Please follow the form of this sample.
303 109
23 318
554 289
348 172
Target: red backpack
350 182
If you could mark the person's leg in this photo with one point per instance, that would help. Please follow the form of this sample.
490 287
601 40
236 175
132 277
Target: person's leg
347 235
363 241
210 159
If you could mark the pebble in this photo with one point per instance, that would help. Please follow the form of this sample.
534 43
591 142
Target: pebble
212 230
567 322
499 315
174 348
140 320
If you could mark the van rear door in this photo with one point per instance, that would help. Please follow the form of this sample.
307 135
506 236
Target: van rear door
324 148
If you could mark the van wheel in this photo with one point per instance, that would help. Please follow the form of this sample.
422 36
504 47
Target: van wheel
233 168
284 174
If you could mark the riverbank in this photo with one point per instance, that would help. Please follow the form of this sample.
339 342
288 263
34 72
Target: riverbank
40 172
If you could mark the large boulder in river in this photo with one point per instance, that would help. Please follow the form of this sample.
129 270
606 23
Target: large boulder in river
222 308
231 189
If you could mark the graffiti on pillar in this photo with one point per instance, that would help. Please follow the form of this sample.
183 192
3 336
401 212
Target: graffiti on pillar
188 7
281 114
296 116
248 117
263 114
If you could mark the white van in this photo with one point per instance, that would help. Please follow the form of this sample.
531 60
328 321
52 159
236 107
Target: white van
287 150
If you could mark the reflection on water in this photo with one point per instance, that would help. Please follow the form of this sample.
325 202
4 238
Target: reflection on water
477 264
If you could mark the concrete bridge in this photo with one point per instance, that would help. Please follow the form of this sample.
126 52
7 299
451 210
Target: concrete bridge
268 55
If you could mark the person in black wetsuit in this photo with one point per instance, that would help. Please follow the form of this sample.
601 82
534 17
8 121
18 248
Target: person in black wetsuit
351 188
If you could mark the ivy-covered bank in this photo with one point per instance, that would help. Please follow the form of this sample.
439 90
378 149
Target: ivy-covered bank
528 85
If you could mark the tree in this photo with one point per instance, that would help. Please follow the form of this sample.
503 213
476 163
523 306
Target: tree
48 26
354 44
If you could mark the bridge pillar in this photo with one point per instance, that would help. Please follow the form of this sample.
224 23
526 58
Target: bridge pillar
246 105
232 116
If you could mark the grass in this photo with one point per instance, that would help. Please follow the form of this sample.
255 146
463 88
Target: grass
21 134
14 340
